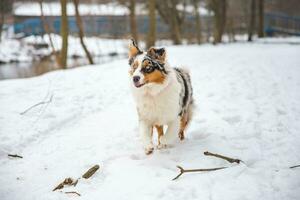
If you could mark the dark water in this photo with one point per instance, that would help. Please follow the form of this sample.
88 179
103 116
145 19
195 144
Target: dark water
31 69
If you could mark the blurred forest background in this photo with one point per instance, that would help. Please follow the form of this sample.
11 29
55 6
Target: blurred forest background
37 36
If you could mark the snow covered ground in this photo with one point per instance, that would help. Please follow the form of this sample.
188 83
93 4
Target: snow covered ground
248 107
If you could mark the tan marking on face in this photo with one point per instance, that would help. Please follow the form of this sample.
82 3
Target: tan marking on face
154 77
145 63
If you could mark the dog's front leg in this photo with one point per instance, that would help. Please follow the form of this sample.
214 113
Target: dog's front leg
146 134
171 134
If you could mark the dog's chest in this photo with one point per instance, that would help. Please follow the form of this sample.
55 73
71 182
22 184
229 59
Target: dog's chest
160 109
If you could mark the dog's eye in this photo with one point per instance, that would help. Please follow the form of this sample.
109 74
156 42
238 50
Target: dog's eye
148 69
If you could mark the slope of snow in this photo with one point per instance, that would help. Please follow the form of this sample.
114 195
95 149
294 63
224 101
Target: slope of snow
248 106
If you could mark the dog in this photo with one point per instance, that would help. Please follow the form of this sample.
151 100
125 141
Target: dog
163 96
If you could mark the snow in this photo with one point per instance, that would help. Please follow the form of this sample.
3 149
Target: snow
54 9
247 98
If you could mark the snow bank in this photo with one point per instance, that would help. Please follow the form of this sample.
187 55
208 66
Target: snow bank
247 98
23 51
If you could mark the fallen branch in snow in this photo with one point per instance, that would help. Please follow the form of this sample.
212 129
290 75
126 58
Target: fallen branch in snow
90 172
14 156
37 104
231 160
67 181
73 192
292 167
182 171
72 182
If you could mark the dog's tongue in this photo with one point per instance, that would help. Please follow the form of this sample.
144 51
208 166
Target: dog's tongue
137 85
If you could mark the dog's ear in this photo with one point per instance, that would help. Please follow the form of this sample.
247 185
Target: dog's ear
133 49
158 54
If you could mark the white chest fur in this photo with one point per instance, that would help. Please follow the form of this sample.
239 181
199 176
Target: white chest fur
158 104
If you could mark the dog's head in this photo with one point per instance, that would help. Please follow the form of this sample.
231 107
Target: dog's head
147 68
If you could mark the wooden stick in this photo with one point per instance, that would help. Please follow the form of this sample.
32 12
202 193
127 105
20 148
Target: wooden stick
90 172
73 192
295 166
231 160
14 156
37 104
67 181
59 186
182 171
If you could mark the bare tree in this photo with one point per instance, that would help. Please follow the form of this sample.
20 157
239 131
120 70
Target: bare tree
81 32
252 20
5 8
133 24
64 34
197 20
47 30
167 9
151 37
260 18
131 4
219 8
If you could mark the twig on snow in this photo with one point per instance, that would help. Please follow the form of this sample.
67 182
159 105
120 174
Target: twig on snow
182 171
231 160
295 166
37 104
67 181
90 172
73 192
14 156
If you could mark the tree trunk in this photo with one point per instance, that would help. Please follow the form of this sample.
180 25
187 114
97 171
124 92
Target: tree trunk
152 24
260 18
219 7
169 13
252 20
133 25
64 34
176 34
198 21
46 27
81 33
230 28
1 24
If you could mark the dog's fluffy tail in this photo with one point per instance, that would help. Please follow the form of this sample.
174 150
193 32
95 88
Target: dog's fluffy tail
190 111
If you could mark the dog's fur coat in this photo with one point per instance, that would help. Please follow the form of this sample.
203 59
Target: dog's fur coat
163 96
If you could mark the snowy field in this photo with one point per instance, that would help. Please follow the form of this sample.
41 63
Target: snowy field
248 107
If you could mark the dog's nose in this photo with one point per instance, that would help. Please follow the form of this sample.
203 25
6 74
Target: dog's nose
136 79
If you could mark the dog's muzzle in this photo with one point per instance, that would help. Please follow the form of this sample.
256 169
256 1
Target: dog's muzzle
136 81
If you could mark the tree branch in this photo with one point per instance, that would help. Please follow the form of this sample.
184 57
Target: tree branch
231 160
295 166
73 192
67 181
37 104
90 172
182 171
14 156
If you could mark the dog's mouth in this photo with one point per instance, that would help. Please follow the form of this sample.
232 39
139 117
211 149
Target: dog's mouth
138 85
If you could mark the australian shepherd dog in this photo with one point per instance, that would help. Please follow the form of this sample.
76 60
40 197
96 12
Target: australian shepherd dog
163 96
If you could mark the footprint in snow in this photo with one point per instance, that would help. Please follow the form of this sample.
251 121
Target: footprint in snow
232 120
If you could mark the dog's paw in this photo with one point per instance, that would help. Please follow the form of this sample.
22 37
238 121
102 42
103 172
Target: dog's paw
161 146
149 149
